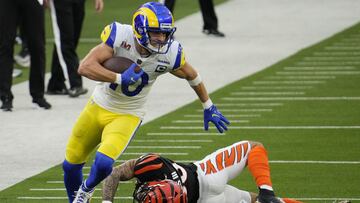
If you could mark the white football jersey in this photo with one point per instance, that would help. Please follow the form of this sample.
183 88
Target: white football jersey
118 99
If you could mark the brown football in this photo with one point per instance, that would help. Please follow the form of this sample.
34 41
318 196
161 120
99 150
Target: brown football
119 64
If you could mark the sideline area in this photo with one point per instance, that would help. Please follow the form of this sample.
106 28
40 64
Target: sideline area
258 34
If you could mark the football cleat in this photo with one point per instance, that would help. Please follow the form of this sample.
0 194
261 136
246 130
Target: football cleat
82 196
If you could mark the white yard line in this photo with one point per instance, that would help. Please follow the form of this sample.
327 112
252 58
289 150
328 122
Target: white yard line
342 48
337 53
312 162
267 93
179 161
227 116
241 110
289 82
202 121
331 58
301 77
311 68
299 87
164 147
172 141
289 98
318 73
232 127
248 104
180 134
326 63
348 44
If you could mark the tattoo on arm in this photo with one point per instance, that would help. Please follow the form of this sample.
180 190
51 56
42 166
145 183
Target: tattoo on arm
122 172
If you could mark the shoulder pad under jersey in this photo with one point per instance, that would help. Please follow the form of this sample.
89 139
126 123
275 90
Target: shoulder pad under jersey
108 35
180 57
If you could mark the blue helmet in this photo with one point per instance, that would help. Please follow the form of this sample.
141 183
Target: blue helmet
153 17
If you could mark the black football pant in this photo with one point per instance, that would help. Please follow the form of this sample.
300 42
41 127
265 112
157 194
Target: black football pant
209 15
31 13
69 18
207 11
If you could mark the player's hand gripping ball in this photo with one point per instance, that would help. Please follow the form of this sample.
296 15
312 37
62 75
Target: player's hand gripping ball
130 71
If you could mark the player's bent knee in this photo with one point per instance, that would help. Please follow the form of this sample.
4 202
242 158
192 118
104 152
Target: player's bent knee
69 167
103 163
75 156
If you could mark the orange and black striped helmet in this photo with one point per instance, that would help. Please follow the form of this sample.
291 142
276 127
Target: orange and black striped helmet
163 191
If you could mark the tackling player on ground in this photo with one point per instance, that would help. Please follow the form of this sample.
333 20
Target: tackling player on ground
116 108
203 181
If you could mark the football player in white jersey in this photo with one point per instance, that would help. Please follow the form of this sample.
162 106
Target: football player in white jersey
115 110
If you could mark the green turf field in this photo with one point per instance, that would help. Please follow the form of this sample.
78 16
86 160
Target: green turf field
304 109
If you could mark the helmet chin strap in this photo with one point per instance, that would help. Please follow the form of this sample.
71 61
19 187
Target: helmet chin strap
142 50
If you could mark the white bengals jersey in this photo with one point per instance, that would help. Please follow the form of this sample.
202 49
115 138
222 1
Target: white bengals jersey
131 100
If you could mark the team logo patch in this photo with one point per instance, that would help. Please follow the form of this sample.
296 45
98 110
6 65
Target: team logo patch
160 69
125 45
163 61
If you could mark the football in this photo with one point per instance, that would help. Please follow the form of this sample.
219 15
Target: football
119 64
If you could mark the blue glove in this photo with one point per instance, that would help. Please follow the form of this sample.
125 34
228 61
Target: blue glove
129 76
213 115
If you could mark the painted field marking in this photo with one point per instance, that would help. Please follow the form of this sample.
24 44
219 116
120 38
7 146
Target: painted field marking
54 189
81 40
241 110
319 68
201 121
62 182
312 162
248 104
228 116
337 53
342 48
290 82
164 147
318 72
300 87
289 98
301 77
65 198
325 199
171 141
267 93
180 161
351 40
327 63
181 134
259 127
331 58
349 44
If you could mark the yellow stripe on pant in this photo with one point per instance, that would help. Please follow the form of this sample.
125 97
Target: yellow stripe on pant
95 126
